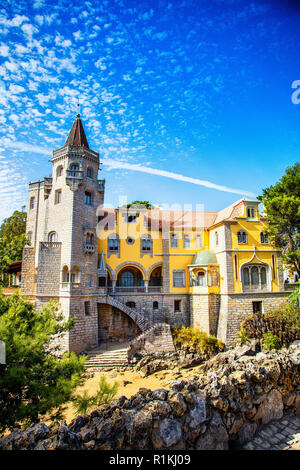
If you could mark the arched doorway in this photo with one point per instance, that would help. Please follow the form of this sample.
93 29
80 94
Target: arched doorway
155 280
115 326
130 279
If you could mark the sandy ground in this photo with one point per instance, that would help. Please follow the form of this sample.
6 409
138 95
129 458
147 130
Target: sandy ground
161 379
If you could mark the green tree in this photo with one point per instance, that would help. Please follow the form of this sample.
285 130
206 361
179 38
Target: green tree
34 381
145 204
282 209
12 239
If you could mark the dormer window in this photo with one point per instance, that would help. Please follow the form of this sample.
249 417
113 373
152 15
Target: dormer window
251 213
242 237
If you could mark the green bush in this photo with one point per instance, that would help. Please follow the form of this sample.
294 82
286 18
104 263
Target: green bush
271 341
242 337
197 339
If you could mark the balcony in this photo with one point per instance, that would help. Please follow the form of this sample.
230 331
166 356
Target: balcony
88 248
78 174
101 185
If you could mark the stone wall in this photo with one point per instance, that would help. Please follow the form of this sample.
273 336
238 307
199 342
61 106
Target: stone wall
157 339
114 325
28 285
234 308
48 273
222 408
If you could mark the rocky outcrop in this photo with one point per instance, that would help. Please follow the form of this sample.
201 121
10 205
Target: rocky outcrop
238 391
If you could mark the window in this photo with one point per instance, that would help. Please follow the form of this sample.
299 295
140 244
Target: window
177 306
186 242
254 277
198 241
102 281
87 308
73 170
131 218
89 172
250 212
178 278
72 277
264 239
32 202
257 307
65 274
236 266
130 304
273 267
155 305
113 242
88 198
127 279
242 236
57 199
52 237
201 281
146 243
174 240
59 171
216 238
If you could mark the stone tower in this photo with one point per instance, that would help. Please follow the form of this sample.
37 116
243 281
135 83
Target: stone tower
62 260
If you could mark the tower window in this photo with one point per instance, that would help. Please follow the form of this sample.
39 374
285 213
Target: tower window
59 171
89 172
87 308
88 198
57 199
32 202
52 237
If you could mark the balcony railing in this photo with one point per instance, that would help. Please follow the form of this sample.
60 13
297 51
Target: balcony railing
101 185
74 174
154 288
89 248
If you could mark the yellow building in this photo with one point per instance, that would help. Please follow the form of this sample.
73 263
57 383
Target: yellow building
120 271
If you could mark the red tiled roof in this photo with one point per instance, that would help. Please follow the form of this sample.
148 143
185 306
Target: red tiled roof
77 137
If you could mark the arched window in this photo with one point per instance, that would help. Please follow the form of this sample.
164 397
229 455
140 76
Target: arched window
201 279
32 202
155 305
242 236
264 239
88 198
255 277
59 171
65 274
52 237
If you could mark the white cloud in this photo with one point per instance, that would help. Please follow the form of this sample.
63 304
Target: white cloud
4 50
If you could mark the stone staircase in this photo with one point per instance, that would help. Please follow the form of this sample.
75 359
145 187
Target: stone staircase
102 359
131 312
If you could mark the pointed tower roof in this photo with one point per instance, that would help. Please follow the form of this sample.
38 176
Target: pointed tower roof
102 266
77 137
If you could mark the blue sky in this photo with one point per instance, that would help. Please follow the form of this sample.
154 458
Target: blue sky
197 88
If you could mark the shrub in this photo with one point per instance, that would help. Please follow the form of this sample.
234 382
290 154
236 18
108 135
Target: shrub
85 402
242 337
284 323
271 341
197 339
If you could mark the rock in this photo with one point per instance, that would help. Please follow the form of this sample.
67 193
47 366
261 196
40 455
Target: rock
160 394
271 408
168 434
198 414
178 385
246 432
216 436
177 403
